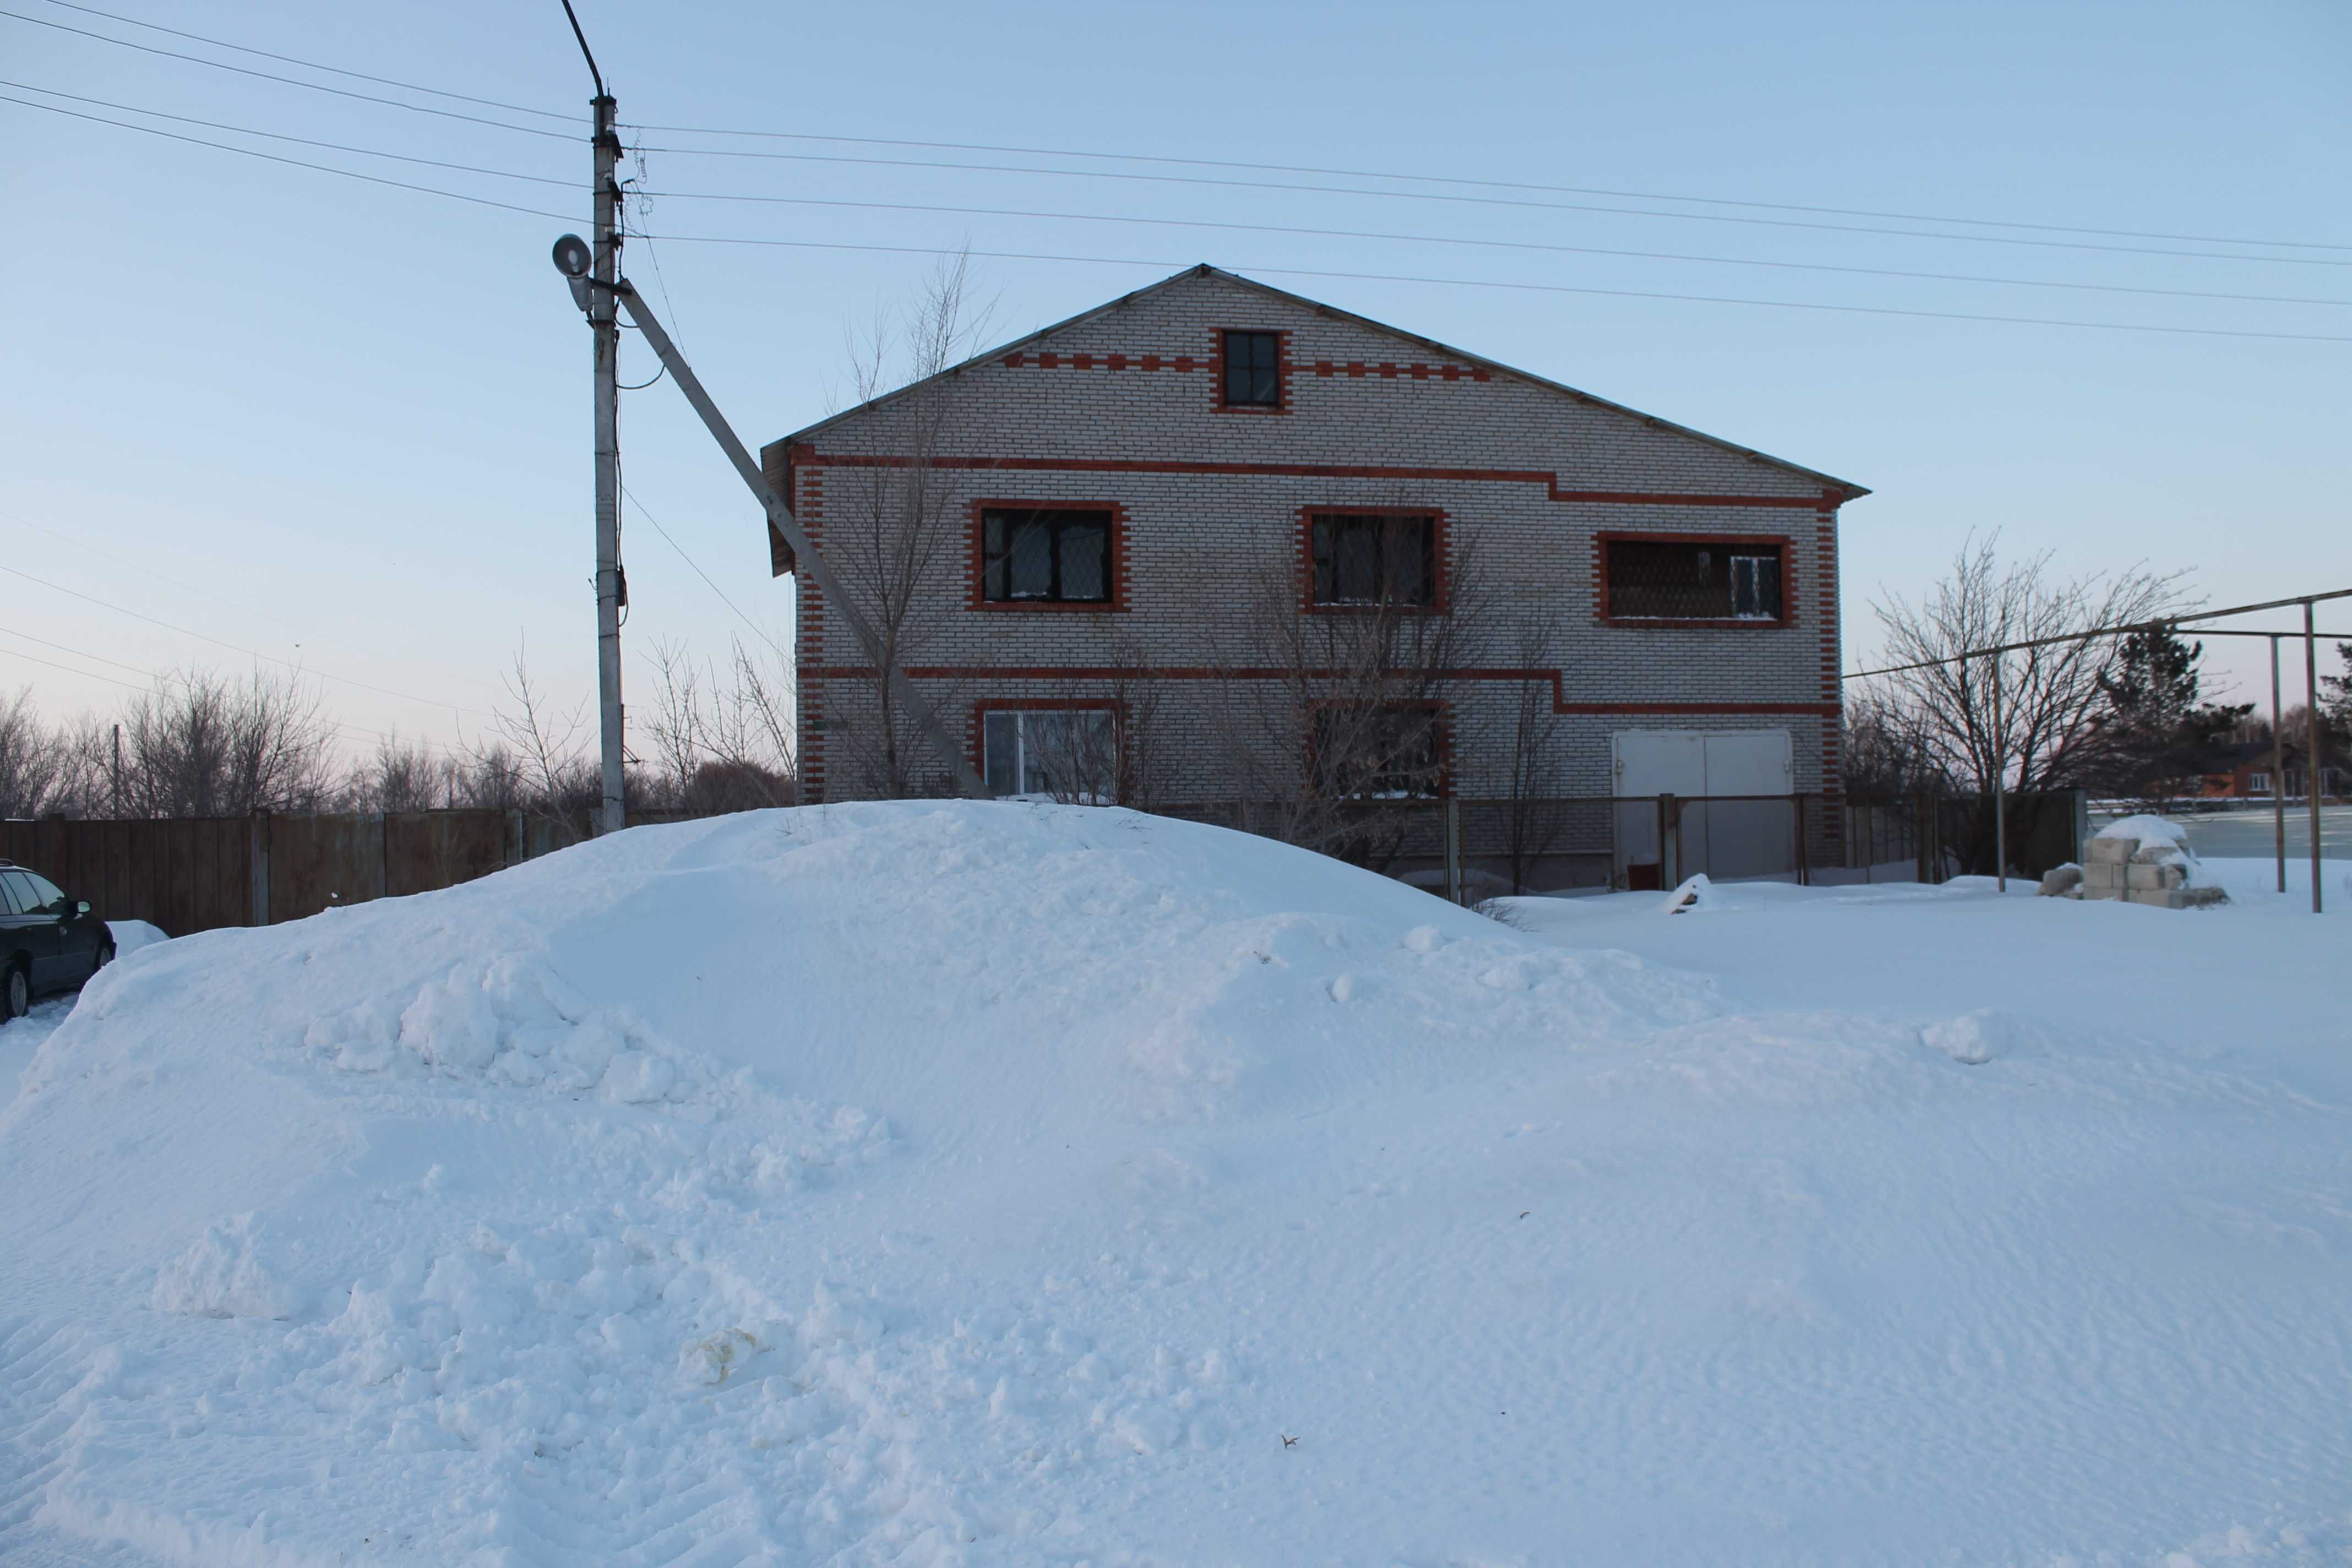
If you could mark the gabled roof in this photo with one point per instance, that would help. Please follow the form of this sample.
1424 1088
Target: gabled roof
1829 482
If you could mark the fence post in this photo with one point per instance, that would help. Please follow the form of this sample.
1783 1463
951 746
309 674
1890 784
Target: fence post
1452 850
1923 834
257 862
1805 859
1670 832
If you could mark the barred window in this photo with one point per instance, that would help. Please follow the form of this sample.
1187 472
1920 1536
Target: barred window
1253 370
1374 751
1715 580
1046 556
1375 559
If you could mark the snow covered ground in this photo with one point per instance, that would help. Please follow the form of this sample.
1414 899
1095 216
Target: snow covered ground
952 1184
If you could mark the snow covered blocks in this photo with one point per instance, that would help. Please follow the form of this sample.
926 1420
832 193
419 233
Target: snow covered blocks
2155 869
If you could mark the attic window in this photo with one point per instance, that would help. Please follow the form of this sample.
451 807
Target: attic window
1253 370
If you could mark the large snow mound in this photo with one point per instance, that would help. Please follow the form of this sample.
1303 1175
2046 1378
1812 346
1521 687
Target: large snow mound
938 1184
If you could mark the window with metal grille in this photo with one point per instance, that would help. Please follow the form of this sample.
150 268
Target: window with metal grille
1064 754
1378 558
1374 751
1704 580
1253 370
1046 556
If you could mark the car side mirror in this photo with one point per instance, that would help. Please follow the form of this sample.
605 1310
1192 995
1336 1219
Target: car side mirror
81 906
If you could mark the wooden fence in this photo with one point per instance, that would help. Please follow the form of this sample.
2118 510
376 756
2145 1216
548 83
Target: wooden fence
192 874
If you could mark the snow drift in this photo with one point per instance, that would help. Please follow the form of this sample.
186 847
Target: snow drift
940 1184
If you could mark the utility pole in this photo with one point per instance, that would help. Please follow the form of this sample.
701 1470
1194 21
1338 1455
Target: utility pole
604 319
2278 769
2318 770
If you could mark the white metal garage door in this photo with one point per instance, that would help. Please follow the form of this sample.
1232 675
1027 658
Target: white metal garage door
1725 838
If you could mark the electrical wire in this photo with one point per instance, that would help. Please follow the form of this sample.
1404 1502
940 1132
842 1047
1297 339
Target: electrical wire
281 136
294 162
706 576
1492 244
64 538
1489 184
1491 201
311 65
233 648
1531 287
290 81
1269 271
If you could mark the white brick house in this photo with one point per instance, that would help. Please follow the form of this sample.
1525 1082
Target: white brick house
1122 479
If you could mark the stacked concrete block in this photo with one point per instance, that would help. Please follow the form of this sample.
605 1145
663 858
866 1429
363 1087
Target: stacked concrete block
2149 871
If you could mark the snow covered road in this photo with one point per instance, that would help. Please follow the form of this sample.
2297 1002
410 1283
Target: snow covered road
963 1184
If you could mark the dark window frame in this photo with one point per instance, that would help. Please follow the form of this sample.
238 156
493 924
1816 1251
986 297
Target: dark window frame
1609 607
1115 566
1314 527
1439 765
1276 374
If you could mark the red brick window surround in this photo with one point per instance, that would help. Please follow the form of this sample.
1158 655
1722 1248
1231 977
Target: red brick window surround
1049 555
1688 580
1253 366
1397 749
1364 558
1070 749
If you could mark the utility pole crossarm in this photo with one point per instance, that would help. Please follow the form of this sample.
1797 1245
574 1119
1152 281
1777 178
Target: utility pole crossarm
807 558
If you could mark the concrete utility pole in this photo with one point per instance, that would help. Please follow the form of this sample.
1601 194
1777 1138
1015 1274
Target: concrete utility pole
2278 769
604 322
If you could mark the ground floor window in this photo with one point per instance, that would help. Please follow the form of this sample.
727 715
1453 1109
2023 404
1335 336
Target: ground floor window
1375 750
1069 755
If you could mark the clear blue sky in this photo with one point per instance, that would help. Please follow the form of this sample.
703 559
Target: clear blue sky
348 425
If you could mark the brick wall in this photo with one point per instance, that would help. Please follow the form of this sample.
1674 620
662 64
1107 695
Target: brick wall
1122 408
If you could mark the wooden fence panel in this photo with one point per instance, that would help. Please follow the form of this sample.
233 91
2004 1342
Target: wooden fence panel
184 874
323 862
427 850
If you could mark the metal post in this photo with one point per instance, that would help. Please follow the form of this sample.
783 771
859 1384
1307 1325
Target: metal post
1804 855
604 318
2318 770
1452 850
2278 769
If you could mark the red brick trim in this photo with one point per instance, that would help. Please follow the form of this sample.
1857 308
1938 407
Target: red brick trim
1122 585
976 726
1130 673
1282 373
1388 372
1180 364
1781 541
1441 601
1549 477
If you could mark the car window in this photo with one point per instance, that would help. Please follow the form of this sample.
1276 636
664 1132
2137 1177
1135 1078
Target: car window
7 895
16 892
46 894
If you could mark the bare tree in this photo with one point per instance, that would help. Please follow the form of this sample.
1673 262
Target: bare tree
534 759
1334 721
41 769
726 744
893 532
1534 817
403 775
1885 750
2031 716
201 744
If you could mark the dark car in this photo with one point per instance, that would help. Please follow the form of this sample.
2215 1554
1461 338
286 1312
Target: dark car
47 942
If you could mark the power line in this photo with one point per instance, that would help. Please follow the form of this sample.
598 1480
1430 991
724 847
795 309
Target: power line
186 587
290 81
1488 201
233 648
294 162
1210 223
281 136
1534 287
311 65
1491 244
699 572
1270 271
1489 184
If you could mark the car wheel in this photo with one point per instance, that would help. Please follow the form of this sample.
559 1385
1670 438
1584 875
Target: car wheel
102 958
17 994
